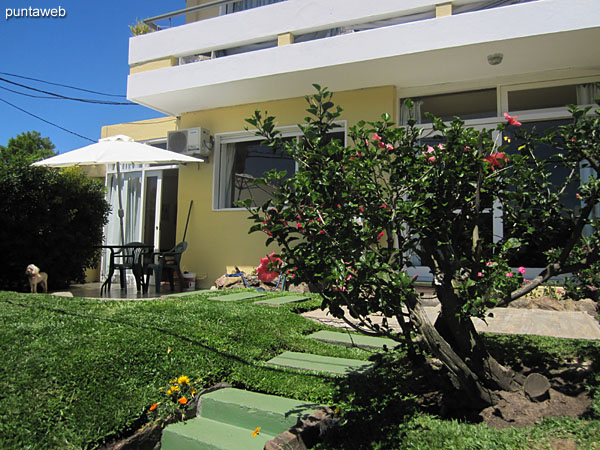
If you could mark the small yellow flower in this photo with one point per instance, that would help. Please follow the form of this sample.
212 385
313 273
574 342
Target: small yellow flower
175 388
183 379
169 392
256 432
193 391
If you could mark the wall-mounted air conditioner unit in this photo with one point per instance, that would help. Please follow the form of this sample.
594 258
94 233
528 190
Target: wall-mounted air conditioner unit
192 142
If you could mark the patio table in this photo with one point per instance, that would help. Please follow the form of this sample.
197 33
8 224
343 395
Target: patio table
116 251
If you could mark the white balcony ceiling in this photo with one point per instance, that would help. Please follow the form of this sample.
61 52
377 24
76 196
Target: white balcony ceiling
545 36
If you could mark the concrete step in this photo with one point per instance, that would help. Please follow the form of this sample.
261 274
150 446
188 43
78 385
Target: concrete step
329 364
249 410
282 300
203 434
237 296
353 340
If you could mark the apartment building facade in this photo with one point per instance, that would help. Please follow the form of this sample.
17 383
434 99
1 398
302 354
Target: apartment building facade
472 58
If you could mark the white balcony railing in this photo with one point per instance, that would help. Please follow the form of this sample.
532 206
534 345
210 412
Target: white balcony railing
306 20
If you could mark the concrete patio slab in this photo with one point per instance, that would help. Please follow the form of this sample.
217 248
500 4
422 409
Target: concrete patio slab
353 340
306 361
562 324
283 300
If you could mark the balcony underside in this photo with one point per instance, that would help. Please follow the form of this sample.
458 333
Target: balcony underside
451 50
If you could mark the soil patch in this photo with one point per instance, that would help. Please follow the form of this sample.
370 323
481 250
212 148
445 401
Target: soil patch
568 397
516 410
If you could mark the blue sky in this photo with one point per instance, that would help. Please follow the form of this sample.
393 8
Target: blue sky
88 48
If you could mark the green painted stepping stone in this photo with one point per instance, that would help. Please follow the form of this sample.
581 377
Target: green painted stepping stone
353 340
201 433
284 299
307 361
187 293
248 410
237 296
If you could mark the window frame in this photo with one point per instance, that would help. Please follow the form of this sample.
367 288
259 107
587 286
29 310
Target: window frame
234 137
532 115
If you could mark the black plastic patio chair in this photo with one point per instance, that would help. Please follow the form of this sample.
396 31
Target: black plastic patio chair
131 257
166 261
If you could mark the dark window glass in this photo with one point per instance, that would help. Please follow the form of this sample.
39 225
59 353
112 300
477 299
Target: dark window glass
551 97
532 256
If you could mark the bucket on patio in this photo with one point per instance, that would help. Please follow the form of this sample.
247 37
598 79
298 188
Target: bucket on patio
189 281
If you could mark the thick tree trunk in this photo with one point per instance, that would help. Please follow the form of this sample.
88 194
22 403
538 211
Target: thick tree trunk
460 348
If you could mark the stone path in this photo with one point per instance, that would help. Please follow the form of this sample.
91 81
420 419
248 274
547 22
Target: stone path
562 324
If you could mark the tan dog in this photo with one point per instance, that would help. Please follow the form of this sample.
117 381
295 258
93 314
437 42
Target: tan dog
36 277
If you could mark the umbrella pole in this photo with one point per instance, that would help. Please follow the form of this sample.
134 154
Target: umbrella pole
121 212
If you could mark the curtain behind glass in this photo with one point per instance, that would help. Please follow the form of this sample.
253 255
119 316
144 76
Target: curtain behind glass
131 205
225 180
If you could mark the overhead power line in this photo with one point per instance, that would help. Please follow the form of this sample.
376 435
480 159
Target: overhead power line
64 97
62 85
47 121
29 95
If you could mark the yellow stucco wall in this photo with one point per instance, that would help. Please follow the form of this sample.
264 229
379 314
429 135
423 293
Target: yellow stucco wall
143 129
202 14
218 239
153 65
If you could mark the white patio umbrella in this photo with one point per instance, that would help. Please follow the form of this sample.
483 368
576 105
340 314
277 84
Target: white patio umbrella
117 150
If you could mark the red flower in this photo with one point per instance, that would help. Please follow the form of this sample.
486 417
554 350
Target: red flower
380 235
512 120
495 159
268 269
153 407
183 400
376 137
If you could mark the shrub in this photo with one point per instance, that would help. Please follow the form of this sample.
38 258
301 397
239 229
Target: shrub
52 219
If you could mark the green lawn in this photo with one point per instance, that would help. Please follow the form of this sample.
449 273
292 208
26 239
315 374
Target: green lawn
77 372
74 372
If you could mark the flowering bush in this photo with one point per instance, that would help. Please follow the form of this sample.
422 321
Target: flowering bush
180 394
354 218
269 268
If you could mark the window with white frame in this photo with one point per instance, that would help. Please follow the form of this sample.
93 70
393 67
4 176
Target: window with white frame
541 106
240 158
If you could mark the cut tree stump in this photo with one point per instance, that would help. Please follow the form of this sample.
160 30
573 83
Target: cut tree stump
537 387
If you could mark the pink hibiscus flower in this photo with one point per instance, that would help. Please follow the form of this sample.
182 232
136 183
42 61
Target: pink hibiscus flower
496 159
512 120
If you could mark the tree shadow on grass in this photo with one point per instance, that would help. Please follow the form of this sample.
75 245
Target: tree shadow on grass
374 405
378 407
